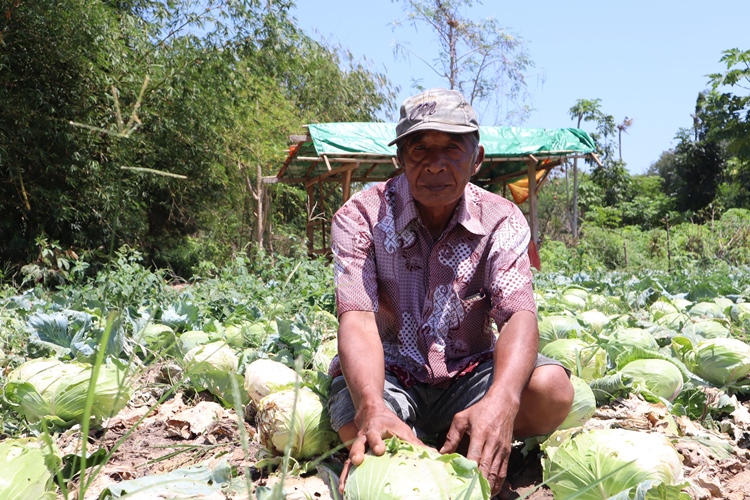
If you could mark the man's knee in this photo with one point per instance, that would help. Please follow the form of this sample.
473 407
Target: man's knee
546 401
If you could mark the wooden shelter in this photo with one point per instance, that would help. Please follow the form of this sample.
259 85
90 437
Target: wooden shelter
334 154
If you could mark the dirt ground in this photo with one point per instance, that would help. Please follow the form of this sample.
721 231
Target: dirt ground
185 431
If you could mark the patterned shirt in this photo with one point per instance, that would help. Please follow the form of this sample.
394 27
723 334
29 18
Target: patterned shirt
433 299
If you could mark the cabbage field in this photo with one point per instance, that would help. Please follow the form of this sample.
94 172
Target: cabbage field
215 389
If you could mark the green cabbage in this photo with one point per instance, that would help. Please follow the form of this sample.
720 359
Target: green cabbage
304 425
674 321
216 356
595 320
654 377
191 339
706 310
620 459
557 327
706 328
660 308
573 301
213 367
155 336
681 303
264 376
406 471
719 361
56 391
27 468
587 361
740 312
324 355
624 339
233 336
584 404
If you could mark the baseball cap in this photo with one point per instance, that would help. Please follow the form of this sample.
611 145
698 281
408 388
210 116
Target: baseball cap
436 109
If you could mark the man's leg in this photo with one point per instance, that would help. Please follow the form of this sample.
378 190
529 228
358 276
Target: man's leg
545 402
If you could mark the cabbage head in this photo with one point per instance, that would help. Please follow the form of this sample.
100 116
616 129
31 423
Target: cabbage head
674 321
216 356
56 391
719 361
155 336
706 328
264 376
595 320
654 377
191 339
660 308
27 469
213 367
407 471
740 312
624 339
304 425
584 404
706 310
557 327
588 361
621 459
325 354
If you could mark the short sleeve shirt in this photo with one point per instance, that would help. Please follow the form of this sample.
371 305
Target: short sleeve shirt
433 300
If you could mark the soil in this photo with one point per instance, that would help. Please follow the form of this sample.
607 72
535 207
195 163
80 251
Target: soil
147 438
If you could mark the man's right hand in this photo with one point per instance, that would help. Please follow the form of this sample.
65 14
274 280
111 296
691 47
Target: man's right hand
369 429
373 426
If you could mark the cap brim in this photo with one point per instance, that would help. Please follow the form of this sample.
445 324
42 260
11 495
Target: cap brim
449 128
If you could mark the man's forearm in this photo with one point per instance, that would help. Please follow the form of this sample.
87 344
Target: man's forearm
515 356
361 356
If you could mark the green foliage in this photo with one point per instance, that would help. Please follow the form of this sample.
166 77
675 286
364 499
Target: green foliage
121 125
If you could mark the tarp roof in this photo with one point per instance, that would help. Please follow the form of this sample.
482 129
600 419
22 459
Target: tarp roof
331 148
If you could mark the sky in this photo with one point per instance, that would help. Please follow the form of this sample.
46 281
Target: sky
646 60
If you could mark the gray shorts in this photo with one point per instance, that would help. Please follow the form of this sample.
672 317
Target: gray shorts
428 410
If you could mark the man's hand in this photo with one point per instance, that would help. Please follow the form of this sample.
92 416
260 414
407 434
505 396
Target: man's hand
489 426
373 426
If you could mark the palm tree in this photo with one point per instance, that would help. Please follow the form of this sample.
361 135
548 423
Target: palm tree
623 127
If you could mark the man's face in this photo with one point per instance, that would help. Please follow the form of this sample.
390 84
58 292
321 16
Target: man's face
438 167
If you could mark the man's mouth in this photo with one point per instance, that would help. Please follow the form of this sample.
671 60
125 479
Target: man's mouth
434 187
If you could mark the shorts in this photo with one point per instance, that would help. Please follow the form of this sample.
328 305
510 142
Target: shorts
427 410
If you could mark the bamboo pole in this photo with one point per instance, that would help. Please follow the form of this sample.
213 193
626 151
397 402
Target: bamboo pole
531 163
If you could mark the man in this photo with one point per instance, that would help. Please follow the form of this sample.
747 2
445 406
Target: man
423 262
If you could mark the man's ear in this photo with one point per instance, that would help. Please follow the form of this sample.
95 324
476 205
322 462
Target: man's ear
479 160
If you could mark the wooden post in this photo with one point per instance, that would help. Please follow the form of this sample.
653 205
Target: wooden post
533 216
310 228
323 213
259 199
346 184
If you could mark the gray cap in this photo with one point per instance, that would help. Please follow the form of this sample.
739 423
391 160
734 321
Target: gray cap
436 109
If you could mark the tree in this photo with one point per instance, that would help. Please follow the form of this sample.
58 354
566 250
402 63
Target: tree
226 86
483 60
583 110
728 116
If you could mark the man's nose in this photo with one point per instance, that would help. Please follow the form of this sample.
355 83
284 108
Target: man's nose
435 163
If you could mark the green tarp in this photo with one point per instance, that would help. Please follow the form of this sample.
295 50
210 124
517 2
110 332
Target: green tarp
373 138
367 143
